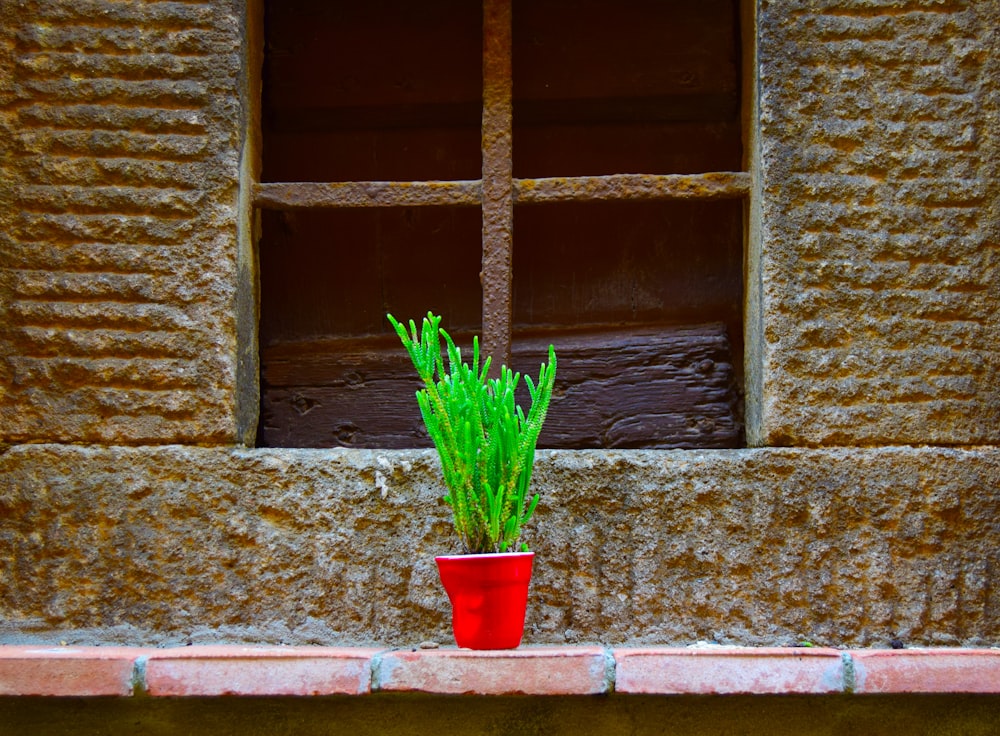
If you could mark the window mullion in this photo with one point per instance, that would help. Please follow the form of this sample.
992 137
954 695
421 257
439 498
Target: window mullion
497 181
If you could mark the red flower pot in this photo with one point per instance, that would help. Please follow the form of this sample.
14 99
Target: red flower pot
489 596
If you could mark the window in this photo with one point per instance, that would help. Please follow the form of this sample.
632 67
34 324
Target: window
565 171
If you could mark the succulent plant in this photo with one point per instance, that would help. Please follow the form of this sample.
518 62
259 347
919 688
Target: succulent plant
485 441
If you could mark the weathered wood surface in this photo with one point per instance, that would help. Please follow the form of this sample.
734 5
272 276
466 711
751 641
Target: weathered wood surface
393 90
665 387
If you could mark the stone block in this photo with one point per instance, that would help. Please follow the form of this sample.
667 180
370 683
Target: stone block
873 313
124 290
164 546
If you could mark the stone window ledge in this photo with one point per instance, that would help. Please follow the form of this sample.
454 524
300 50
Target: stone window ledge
261 671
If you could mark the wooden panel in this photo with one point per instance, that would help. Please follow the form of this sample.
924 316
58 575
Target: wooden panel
628 262
635 86
641 387
336 273
356 55
599 49
638 148
373 155
374 90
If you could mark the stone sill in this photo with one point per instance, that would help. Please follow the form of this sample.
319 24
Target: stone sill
209 671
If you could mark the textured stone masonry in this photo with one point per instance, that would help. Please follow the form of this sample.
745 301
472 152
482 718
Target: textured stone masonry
875 275
757 547
120 282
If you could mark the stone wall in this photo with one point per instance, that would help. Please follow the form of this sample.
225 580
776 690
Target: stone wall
768 546
129 512
876 268
123 288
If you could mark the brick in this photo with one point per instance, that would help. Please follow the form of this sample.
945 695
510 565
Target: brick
927 671
728 671
283 671
529 671
235 670
67 671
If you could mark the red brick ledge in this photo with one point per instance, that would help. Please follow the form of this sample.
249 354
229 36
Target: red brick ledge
587 670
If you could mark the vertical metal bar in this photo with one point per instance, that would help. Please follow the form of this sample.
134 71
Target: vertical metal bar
498 190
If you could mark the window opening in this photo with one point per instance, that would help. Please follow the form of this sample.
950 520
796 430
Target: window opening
572 165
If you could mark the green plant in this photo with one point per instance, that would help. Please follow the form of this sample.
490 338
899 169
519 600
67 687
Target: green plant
485 441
